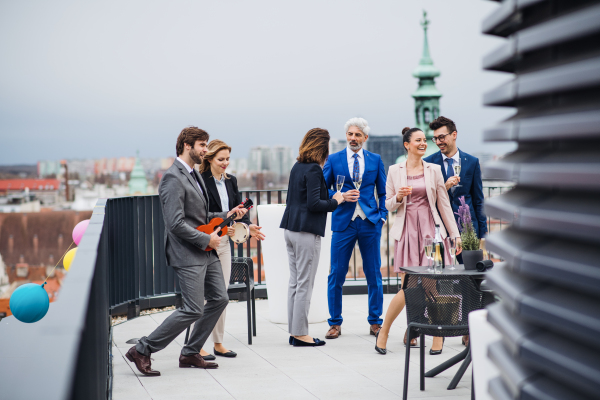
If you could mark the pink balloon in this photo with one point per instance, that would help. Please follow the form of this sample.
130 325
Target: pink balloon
80 230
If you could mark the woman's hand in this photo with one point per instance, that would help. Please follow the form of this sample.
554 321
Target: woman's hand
230 231
256 233
239 211
458 245
338 197
402 193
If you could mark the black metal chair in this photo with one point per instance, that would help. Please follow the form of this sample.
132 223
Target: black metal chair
241 281
439 305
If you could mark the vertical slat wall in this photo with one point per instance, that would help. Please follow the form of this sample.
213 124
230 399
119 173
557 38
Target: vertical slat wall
550 283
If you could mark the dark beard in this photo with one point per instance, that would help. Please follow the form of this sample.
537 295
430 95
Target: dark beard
196 158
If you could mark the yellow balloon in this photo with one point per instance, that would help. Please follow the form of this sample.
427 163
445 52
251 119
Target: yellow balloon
69 258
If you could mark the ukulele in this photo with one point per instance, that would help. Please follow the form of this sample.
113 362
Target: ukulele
216 223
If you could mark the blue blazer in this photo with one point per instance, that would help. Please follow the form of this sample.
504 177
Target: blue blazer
472 188
373 178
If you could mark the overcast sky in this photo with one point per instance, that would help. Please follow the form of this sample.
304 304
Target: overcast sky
106 78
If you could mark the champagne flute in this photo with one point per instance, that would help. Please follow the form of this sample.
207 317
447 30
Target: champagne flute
340 182
452 253
428 251
358 182
409 197
456 168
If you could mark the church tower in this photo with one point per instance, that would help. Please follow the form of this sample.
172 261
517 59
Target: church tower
427 97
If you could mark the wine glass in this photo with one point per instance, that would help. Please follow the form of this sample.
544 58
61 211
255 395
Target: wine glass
409 197
428 250
456 168
340 182
358 182
452 253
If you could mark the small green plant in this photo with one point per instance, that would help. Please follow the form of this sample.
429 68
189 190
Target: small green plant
469 238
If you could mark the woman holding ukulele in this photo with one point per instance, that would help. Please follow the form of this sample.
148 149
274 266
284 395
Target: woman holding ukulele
415 219
223 195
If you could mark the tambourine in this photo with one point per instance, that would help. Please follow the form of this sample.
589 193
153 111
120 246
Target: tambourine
241 232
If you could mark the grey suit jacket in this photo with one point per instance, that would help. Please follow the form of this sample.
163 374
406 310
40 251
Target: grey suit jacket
184 208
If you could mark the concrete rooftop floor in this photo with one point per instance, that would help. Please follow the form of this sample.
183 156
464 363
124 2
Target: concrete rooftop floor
346 368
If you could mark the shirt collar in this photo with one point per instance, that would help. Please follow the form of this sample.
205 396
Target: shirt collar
455 157
189 170
350 153
222 180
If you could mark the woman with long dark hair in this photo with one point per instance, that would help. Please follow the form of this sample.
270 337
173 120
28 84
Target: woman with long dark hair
304 222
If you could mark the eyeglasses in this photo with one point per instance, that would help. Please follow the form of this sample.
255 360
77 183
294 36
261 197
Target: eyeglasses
440 138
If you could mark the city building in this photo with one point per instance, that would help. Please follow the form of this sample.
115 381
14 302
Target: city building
389 147
44 190
336 145
138 184
427 97
282 161
259 159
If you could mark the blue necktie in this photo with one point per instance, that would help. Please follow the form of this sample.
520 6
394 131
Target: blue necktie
355 169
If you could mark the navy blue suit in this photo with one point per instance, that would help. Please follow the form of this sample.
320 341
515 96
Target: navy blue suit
346 232
471 188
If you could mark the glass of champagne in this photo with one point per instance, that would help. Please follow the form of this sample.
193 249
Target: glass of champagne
358 182
409 197
340 182
456 168
452 253
428 251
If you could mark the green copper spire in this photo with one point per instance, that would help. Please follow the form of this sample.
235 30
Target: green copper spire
427 97
138 184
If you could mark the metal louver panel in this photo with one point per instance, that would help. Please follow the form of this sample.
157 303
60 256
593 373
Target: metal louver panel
549 316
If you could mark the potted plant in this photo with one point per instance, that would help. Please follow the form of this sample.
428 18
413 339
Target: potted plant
471 254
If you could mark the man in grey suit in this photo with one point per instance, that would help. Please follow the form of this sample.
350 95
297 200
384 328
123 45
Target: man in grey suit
184 202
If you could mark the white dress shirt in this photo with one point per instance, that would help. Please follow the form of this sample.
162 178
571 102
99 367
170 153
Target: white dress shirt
189 170
358 211
222 193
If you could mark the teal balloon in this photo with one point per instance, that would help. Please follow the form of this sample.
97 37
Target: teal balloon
29 303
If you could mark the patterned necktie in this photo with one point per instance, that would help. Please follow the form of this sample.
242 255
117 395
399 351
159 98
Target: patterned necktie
355 169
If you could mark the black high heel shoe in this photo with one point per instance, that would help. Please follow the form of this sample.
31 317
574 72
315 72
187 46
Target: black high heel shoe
291 340
436 352
300 343
379 349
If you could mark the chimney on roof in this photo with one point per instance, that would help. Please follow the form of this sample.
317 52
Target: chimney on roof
36 244
11 244
51 259
21 259
60 242
24 222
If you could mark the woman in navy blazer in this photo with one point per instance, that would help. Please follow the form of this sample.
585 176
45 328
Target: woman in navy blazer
304 222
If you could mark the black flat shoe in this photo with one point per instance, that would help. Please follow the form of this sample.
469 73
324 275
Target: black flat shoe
291 340
229 354
209 357
300 343
437 352
379 349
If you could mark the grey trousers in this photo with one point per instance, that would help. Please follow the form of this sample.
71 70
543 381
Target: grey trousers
303 255
198 282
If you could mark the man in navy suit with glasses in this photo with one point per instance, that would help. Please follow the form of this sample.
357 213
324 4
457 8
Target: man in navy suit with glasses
468 183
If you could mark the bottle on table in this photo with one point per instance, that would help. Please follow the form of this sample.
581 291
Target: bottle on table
438 262
438 240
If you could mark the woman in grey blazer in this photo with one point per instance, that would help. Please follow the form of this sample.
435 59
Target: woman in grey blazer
304 222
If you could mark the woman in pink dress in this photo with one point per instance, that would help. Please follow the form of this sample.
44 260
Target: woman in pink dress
415 221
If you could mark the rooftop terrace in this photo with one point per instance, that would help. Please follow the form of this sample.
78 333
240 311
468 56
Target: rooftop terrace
347 368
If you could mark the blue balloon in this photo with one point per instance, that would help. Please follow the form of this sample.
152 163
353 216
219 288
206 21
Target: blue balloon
29 303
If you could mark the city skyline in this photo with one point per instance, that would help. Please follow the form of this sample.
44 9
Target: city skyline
80 78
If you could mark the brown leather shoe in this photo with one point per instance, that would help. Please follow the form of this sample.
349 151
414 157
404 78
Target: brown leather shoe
142 362
374 329
334 332
196 361
465 340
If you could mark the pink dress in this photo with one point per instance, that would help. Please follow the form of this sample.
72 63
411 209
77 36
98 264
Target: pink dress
409 251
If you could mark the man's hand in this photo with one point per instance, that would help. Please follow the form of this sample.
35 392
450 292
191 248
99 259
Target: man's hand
452 181
239 211
215 239
351 195
256 233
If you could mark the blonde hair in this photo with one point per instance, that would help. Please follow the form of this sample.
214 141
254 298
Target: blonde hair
214 147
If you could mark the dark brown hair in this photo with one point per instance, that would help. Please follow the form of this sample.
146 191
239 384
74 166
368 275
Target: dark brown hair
442 121
407 134
214 147
189 135
314 147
